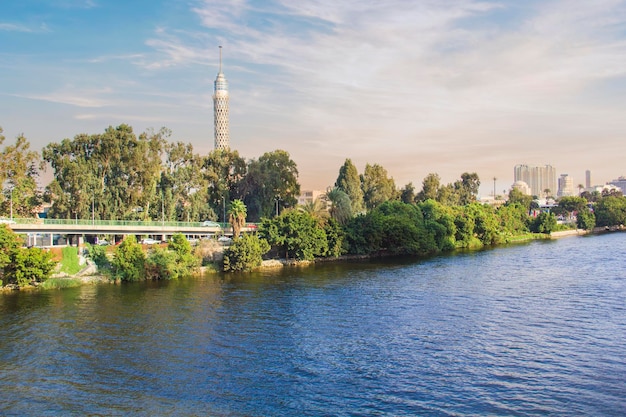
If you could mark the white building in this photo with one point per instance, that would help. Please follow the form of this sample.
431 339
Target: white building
621 183
538 178
220 110
566 186
522 187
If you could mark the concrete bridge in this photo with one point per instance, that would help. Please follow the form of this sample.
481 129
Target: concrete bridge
76 229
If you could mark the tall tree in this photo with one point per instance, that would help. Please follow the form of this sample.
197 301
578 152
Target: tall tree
430 188
349 182
237 217
467 188
224 171
270 180
407 194
18 178
377 186
340 208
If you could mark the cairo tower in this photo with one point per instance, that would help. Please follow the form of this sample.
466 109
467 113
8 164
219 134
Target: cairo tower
220 109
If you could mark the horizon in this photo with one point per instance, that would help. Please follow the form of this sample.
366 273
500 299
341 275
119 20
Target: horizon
418 88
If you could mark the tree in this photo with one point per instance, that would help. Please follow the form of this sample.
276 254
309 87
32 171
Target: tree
316 208
610 211
237 217
114 174
430 188
377 187
20 265
585 219
545 222
245 254
467 188
407 194
349 182
516 197
296 234
224 172
18 176
129 260
270 179
340 207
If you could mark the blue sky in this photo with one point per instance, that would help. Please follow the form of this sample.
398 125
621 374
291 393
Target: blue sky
422 86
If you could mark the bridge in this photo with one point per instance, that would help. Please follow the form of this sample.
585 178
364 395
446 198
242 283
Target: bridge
81 227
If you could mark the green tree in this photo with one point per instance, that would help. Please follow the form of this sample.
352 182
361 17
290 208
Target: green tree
270 179
407 194
514 219
340 207
349 182
439 221
545 222
295 234
467 188
585 219
18 175
112 175
377 186
237 217
20 265
129 260
184 258
224 170
518 197
430 188
245 254
610 211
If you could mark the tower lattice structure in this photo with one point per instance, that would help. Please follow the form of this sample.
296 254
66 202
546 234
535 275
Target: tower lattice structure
220 109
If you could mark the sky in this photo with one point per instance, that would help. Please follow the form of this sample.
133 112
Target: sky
418 87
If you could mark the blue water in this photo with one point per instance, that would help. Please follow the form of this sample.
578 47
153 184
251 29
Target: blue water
532 329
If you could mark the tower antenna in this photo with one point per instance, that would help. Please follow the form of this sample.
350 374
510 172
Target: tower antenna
220 58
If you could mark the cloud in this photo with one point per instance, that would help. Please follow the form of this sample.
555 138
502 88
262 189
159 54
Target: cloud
13 27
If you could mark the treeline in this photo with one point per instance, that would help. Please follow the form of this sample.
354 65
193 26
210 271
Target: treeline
117 175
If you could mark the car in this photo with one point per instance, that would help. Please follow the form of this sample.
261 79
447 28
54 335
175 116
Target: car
209 223
103 242
148 241
225 240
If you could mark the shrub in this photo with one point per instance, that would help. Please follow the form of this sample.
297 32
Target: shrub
161 264
245 253
129 260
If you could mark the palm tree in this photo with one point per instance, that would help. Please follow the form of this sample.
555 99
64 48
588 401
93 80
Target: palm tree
316 209
237 216
580 189
341 208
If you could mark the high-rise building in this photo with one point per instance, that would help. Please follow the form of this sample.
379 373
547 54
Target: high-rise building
587 179
566 186
539 179
220 109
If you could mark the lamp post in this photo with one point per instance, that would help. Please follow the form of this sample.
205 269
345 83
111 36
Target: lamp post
224 210
277 198
12 188
93 208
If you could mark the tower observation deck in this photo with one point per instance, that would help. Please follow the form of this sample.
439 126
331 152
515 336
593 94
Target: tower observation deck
220 109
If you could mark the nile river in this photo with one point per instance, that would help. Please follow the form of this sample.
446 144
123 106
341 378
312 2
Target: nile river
525 330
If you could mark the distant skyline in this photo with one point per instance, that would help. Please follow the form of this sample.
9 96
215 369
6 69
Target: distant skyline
447 86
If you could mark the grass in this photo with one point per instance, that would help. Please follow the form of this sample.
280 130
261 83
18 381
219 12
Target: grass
69 261
58 283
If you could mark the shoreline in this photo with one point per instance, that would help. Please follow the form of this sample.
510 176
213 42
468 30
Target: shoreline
89 274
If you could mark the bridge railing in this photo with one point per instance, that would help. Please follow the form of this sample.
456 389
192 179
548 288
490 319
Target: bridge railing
90 222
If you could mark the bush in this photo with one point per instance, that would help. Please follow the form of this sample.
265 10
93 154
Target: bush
98 254
129 260
161 264
245 254
543 223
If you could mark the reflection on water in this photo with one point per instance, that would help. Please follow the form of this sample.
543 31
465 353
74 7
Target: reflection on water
523 330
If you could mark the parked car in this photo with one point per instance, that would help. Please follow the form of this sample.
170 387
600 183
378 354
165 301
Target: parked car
209 223
225 240
148 241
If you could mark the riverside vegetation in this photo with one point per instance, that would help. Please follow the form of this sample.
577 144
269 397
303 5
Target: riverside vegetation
107 176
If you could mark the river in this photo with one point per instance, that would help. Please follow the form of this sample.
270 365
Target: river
523 330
